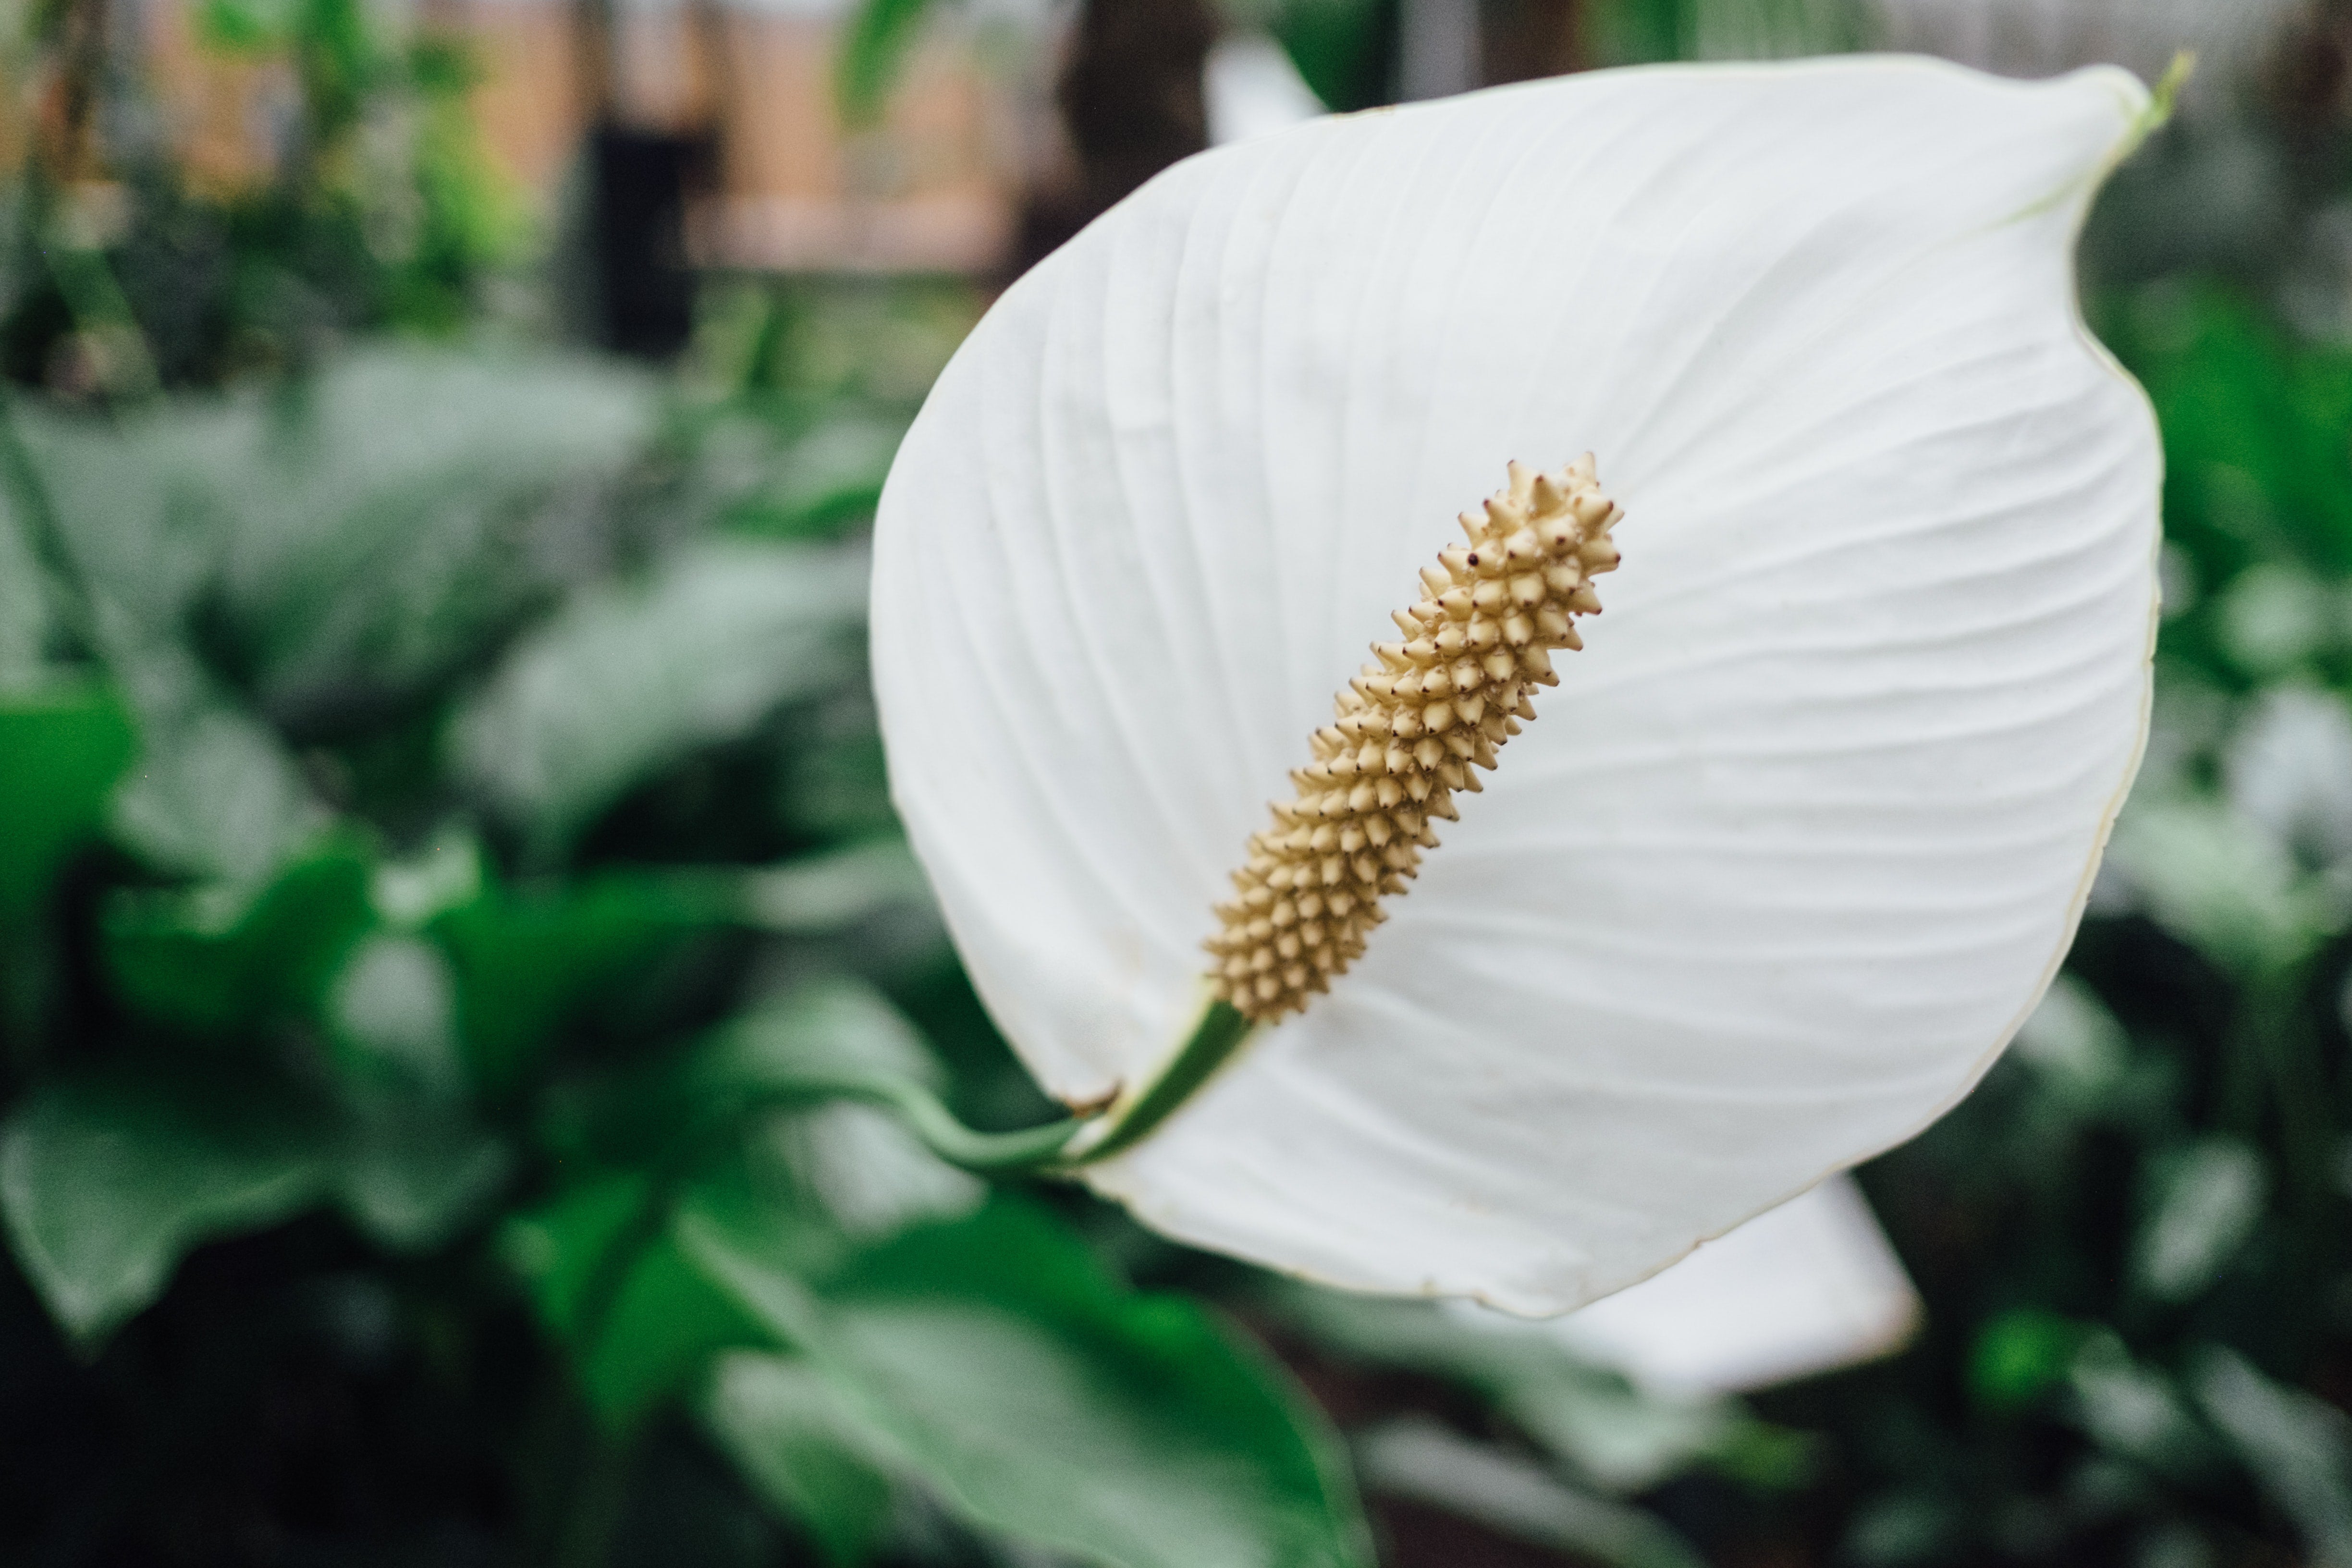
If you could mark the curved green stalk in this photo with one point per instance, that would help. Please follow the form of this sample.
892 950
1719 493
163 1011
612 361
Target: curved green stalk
986 1153
1044 1150
1219 1033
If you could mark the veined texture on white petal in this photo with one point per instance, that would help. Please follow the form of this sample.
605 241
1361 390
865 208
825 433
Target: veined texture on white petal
1804 831
1809 1288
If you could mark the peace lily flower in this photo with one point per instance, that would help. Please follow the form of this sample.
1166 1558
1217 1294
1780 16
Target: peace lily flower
1788 849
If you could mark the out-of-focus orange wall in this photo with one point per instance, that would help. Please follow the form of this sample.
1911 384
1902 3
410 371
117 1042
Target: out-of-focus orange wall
933 188
529 105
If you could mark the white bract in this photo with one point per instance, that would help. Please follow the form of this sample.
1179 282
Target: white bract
1809 1288
1799 838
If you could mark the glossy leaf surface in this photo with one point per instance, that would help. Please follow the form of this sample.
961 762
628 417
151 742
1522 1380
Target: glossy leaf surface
996 1359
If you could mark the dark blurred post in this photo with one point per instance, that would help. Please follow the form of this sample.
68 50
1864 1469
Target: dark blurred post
641 181
1521 40
1131 97
2311 85
1453 46
1130 92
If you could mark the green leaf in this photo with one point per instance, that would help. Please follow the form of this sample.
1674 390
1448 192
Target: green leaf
222 958
856 1166
643 1321
239 26
107 1181
865 1172
758 1064
2022 1354
142 500
836 782
2253 420
558 1248
2074 1044
2271 619
873 51
1341 47
2298 1447
27 618
2133 1409
1043 1400
1637 32
216 794
414 1168
444 874
656 1338
800 1444
1418 1459
2220 882
2206 1198
818 894
605 1270
830 1024
759 476
354 535
627 679
392 1007
61 749
527 960
406 506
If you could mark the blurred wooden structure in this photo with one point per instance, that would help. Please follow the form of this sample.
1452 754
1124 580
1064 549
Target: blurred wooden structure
936 187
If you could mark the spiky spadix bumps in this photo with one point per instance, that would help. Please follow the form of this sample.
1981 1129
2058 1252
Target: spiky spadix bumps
1409 729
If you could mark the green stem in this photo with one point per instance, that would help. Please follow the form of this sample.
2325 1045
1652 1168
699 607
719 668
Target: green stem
1044 1150
987 1154
1219 1032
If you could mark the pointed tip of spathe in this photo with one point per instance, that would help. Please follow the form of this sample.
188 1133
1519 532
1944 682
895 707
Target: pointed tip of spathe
2148 110
2166 92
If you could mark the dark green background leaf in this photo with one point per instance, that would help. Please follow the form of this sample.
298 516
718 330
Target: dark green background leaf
1046 1401
803 1446
222 958
61 749
106 1180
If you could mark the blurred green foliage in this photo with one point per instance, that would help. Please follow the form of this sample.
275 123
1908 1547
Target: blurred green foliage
1640 32
880 34
443 800
370 205
441 818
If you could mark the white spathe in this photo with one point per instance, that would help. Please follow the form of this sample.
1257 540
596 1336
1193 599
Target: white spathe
1799 838
1809 1288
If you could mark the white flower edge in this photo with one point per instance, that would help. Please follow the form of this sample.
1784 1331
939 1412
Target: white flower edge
1808 1288
1803 834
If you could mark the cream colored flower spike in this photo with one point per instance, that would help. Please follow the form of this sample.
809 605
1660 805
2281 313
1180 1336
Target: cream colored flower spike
1409 729
1805 828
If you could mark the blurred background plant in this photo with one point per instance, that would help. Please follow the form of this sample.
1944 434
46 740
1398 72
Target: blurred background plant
440 808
